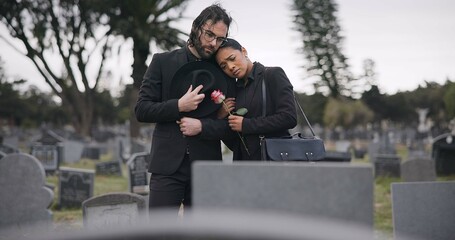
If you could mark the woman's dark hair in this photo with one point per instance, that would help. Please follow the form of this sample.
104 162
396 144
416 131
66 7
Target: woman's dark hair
232 44
215 13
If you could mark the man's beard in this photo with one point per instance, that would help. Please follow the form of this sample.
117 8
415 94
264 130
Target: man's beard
200 50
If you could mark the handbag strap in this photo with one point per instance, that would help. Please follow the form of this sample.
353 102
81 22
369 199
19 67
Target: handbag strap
264 102
304 115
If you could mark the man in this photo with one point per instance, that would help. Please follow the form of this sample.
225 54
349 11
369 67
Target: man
171 152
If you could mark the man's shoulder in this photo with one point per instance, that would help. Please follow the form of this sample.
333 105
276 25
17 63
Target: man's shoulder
172 53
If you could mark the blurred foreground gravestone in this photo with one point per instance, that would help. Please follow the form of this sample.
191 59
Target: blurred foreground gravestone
443 153
114 209
224 224
424 210
331 190
75 186
24 198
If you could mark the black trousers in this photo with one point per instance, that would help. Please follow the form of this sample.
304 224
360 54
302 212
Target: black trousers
170 191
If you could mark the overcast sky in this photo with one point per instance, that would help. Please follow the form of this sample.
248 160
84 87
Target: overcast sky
409 40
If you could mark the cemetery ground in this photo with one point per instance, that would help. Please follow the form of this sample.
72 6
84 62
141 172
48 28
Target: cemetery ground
72 218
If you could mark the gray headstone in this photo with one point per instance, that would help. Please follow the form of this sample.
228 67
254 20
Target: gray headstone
24 197
342 146
418 170
424 210
334 156
75 186
138 173
47 155
331 190
114 210
73 151
387 165
108 168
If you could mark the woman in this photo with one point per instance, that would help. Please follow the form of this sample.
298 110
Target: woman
280 114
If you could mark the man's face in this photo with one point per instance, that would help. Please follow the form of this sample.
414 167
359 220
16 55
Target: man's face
211 36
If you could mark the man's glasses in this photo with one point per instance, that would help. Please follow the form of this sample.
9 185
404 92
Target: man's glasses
210 36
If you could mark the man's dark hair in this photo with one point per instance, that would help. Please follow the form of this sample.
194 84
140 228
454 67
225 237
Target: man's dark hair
215 13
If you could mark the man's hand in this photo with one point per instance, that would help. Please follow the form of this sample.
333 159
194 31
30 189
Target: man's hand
191 99
235 123
190 126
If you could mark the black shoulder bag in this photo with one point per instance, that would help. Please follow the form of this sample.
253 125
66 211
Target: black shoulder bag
290 148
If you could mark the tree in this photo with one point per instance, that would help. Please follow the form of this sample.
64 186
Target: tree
61 38
143 21
449 100
317 23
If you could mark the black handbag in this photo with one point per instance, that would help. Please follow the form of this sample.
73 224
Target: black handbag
290 148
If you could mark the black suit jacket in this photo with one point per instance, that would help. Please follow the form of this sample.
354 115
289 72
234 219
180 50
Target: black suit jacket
155 106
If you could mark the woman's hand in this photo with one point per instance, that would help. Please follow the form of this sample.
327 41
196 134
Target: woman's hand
226 107
235 123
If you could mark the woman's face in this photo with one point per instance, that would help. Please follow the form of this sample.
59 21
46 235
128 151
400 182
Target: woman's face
233 62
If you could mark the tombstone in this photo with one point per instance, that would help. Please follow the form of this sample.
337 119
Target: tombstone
423 210
335 156
24 197
342 146
109 168
113 210
92 152
48 149
225 224
138 146
387 165
138 173
6 148
330 190
443 153
418 170
75 186
381 145
72 151
48 155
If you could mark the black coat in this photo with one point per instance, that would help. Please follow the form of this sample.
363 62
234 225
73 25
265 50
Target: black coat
154 105
280 109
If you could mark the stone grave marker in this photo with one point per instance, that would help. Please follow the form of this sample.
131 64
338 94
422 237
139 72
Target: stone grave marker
91 151
387 165
109 168
75 186
343 146
443 153
138 173
48 155
6 148
24 198
336 156
330 190
72 151
423 210
417 170
48 149
114 210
